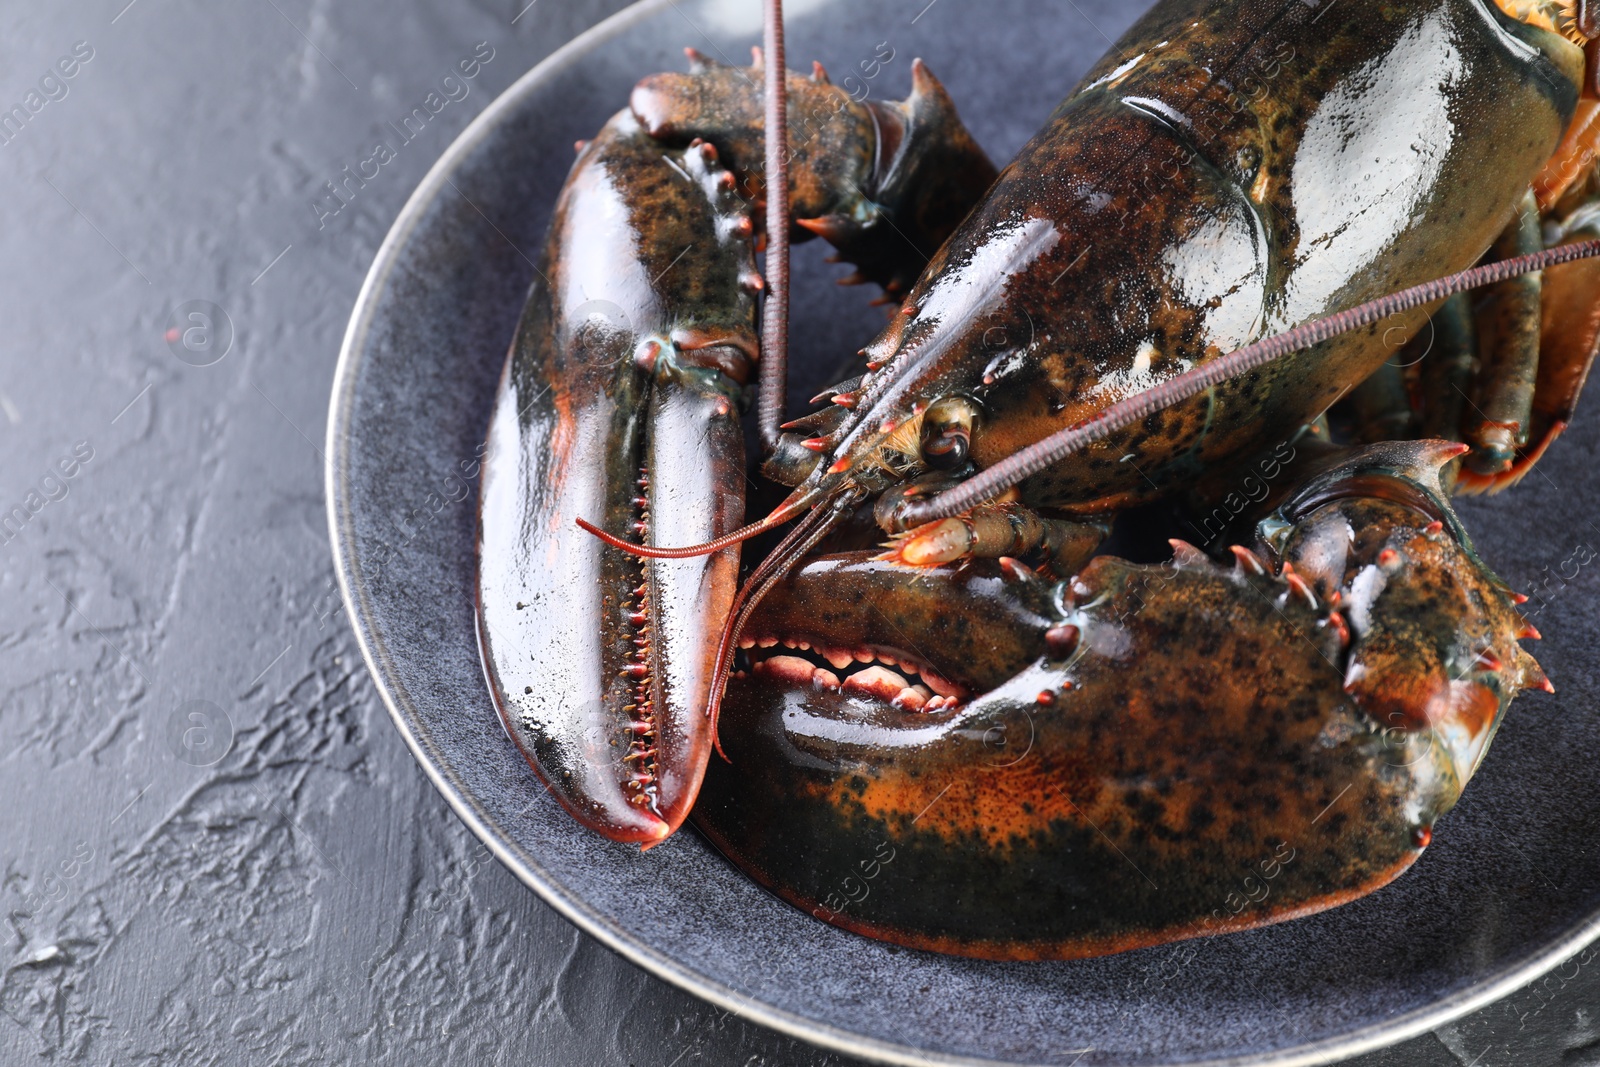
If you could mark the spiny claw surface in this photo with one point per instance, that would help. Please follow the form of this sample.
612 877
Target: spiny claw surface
620 405
1140 754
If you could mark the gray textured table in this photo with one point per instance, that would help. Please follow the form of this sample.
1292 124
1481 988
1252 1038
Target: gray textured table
216 848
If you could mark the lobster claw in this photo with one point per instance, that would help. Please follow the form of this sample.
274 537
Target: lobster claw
1139 754
619 405
601 663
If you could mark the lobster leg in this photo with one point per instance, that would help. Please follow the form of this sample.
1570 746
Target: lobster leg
1503 376
1507 318
1535 361
994 530
1446 369
1569 341
1381 407
1543 363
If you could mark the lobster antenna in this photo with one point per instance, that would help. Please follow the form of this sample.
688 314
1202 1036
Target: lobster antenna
779 562
775 310
785 511
992 481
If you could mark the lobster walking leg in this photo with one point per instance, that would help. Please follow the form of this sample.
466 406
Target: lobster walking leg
1446 368
1508 338
1570 338
991 531
1535 337
1381 406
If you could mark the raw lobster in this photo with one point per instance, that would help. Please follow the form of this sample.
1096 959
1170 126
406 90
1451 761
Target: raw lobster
1302 714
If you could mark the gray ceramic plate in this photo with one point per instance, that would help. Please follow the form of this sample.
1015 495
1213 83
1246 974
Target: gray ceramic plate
1511 886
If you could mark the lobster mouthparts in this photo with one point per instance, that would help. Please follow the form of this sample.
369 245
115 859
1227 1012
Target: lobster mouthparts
620 405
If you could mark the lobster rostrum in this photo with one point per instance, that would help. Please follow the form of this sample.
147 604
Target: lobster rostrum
1203 266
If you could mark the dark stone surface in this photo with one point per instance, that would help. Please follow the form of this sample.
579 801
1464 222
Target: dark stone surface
216 847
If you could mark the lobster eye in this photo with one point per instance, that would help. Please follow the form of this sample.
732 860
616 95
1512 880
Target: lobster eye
947 432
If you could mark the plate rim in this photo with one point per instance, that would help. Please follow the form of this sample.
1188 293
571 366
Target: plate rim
527 869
